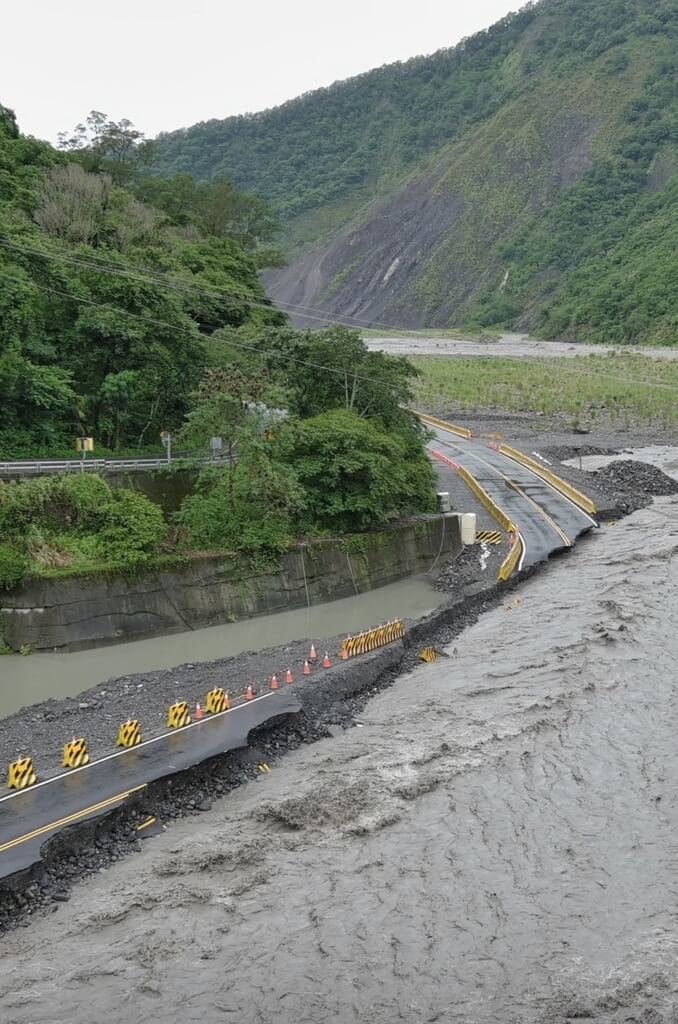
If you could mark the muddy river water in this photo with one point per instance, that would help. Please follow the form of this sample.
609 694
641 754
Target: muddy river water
497 842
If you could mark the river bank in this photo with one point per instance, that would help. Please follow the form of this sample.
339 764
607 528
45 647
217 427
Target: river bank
343 691
80 612
495 843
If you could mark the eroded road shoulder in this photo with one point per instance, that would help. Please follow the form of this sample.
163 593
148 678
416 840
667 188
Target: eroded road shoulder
496 843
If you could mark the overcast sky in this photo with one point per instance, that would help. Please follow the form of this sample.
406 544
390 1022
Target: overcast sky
165 63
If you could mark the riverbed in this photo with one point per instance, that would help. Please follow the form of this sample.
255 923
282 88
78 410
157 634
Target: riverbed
516 346
664 457
495 843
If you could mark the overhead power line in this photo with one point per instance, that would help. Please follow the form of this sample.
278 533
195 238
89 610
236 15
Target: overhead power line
186 330
103 266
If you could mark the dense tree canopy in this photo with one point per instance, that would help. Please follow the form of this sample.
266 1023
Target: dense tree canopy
106 301
325 144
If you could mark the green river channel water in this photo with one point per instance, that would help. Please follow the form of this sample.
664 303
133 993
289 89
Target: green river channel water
29 680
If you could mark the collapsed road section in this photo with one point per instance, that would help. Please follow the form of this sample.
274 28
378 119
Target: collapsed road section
549 513
38 810
31 816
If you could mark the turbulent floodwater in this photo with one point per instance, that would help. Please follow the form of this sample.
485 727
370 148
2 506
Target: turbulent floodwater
497 843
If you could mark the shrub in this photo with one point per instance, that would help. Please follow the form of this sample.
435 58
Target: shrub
355 474
133 526
85 497
13 567
64 520
52 503
250 508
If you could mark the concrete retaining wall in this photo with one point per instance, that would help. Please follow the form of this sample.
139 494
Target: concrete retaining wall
83 612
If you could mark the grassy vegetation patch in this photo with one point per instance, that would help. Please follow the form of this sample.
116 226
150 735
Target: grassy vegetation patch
624 388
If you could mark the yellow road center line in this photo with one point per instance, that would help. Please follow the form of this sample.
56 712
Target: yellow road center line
538 508
146 824
69 820
132 750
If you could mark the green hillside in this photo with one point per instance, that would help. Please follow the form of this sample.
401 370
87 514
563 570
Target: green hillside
525 179
106 300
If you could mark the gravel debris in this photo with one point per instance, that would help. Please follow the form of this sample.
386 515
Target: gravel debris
632 485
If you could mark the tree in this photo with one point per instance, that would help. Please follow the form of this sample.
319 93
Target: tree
356 475
116 393
230 404
225 212
253 506
101 142
333 369
72 204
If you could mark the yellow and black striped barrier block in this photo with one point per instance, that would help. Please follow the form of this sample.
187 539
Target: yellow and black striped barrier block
216 701
488 537
129 734
178 715
264 768
431 654
21 773
372 639
75 754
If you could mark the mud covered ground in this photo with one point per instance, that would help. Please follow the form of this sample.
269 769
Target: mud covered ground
496 842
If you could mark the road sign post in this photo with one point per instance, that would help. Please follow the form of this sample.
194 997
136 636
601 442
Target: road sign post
216 446
166 439
84 445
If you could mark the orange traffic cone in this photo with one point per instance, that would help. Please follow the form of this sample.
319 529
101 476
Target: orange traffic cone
289 678
344 654
249 694
313 656
275 685
326 661
307 669
199 713
227 704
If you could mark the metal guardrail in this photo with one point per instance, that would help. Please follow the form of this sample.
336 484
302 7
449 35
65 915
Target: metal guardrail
39 467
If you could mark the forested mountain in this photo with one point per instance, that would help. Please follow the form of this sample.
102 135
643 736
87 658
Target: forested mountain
110 286
527 178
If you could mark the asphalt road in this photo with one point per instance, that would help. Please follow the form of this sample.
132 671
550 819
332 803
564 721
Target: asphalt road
548 520
29 817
